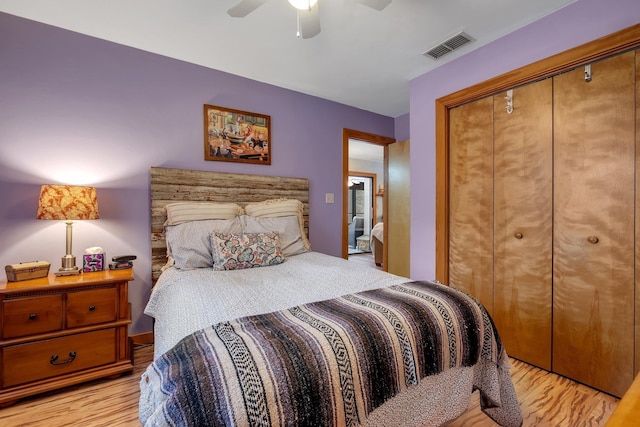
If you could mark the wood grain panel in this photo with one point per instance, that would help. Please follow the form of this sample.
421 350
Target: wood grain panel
471 201
172 185
92 307
523 195
637 284
398 243
593 331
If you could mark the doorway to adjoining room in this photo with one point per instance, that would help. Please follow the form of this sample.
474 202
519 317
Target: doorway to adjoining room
361 212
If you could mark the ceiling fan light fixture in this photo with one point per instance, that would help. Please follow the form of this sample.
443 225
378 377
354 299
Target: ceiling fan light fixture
303 4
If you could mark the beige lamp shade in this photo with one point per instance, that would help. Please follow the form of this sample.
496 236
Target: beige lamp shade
67 202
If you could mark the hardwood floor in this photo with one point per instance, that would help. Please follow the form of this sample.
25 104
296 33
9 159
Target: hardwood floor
364 258
546 400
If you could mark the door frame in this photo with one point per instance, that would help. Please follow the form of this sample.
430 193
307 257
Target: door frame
371 138
618 42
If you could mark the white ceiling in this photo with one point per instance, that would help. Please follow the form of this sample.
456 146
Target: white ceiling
362 150
363 57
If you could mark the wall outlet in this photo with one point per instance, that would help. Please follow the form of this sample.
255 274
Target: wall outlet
328 198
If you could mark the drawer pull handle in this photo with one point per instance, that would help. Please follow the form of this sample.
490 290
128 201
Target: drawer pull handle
33 316
518 236
92 307
54 358
593 240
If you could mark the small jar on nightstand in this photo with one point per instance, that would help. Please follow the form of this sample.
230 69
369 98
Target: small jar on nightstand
60 331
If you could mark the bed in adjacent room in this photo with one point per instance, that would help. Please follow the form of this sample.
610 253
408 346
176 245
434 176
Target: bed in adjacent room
254 328
377 239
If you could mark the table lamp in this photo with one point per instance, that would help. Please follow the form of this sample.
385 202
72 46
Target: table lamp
69 203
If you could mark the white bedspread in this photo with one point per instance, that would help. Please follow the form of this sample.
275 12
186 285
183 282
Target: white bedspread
183 302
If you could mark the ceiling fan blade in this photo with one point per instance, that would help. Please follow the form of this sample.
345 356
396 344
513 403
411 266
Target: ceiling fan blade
375 4
310 22
245 7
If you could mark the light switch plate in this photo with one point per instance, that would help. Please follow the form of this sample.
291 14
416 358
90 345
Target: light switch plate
328 198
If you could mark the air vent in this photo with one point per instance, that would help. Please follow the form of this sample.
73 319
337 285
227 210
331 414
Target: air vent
449 45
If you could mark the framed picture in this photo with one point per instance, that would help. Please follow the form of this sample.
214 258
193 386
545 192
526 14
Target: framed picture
236 136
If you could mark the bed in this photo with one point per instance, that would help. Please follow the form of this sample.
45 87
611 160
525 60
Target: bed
376 242
289 336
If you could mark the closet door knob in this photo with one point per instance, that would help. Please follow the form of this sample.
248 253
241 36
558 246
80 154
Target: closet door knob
518 235
592 239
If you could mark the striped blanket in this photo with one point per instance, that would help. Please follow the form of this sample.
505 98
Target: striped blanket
327 363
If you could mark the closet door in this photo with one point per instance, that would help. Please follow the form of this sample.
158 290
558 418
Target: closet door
523 195
471 200
637 340
593 269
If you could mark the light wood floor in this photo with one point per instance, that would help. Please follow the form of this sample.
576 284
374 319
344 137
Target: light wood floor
546 400
366 258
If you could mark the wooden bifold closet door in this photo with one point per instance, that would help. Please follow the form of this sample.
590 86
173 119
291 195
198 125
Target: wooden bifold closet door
471 200
523 194
593 245
541 220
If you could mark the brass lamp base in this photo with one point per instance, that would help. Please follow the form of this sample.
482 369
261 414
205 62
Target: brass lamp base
69 267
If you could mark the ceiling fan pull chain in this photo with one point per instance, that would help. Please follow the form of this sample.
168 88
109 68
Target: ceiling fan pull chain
298 23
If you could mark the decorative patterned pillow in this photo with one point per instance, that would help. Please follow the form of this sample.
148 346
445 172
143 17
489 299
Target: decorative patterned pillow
235 251
180 212
278 208
189 244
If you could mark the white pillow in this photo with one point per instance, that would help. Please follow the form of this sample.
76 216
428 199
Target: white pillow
287 227
275 208
189 244
180 212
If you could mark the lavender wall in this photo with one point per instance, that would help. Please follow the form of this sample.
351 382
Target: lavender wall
576 24
402 129
78 110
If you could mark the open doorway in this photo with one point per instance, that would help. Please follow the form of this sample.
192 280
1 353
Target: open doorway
357 140
361 210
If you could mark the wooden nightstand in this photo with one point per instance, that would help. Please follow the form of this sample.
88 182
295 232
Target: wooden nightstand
59 331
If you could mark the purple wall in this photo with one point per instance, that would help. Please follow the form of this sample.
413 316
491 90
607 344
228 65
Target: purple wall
402 127
576 24
78 110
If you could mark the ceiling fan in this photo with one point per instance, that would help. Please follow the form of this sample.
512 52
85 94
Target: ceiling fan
308 14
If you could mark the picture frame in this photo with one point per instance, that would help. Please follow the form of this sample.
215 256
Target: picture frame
236 136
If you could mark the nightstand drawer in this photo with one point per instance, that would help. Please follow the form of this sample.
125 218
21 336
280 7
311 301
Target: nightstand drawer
32 315
39 360
91 307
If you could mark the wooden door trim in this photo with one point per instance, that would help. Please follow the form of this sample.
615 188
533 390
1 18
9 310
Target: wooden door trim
618 42
348 134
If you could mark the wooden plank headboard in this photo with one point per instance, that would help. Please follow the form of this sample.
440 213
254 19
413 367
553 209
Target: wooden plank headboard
172 185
